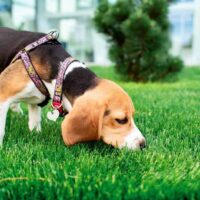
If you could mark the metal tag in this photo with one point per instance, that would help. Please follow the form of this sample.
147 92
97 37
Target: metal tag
53 115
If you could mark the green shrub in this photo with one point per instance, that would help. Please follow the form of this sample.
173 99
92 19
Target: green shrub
138 33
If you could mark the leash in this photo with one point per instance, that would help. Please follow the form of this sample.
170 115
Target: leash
57 105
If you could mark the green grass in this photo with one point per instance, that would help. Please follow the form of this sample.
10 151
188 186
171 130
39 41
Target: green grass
39 166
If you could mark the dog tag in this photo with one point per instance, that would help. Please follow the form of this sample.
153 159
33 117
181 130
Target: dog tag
53 115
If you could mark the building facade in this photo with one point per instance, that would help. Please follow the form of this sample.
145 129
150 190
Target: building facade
184 16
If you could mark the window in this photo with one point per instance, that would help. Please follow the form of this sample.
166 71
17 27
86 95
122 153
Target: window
23 14
182 26
184 1
82 4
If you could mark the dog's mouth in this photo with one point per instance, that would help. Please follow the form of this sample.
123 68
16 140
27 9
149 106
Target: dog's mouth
136 144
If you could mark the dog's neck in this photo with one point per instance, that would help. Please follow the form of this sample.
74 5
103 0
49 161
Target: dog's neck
77 80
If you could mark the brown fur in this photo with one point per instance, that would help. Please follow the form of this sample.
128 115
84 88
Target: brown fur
15 77
87 121
43 70
13 80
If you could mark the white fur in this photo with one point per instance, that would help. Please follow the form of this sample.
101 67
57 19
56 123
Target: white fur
34 117
74 65
30 94
4 106
15 107
50 87
133 139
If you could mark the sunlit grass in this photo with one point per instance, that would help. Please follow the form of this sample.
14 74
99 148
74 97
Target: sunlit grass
39 166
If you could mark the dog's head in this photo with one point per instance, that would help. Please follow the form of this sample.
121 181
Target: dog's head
104 112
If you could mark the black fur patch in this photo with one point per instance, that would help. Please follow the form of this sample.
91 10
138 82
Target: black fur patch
50 54
12 42
78 81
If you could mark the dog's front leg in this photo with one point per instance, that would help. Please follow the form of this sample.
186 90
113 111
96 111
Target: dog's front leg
4 106
34 117
15 107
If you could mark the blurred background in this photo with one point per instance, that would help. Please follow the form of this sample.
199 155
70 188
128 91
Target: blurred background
73 19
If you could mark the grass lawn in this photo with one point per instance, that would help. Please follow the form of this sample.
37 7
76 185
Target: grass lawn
39 166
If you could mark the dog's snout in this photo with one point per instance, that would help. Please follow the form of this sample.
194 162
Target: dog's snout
142 144
134 140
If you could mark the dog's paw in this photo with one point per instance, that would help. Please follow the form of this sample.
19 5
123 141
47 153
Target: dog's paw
15 107
35 126
38 128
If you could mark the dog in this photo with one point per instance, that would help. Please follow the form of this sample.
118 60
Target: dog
98 109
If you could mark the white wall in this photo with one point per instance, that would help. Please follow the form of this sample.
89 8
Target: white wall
196 34
185 34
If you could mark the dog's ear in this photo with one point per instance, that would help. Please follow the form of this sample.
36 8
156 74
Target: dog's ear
84 122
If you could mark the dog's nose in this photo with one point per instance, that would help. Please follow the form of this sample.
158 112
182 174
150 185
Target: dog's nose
142 144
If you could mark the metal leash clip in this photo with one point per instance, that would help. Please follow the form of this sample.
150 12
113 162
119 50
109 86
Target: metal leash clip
54 34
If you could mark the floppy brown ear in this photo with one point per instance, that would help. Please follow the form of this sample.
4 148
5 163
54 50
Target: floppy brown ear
84 122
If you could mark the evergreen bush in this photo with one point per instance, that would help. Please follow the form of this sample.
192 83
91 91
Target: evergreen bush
138 33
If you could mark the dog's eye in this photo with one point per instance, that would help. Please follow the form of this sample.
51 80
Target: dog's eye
122 121
107 112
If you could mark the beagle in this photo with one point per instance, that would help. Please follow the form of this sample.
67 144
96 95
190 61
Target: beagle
98 109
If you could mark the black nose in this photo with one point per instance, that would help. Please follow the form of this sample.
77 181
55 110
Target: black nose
142 144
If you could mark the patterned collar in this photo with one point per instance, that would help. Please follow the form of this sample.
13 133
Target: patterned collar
57 99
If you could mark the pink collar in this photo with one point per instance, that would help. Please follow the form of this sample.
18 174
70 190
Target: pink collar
23 54
57 98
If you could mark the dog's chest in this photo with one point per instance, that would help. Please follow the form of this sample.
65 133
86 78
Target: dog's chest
30 94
